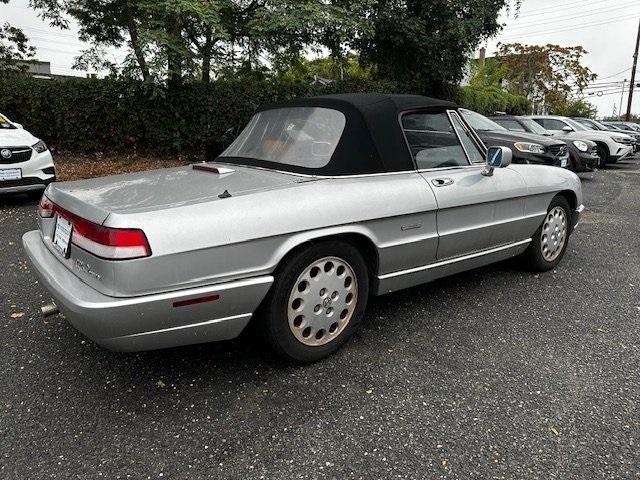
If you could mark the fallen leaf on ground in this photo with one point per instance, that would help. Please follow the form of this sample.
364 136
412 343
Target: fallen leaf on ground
161 384
554 431
17 315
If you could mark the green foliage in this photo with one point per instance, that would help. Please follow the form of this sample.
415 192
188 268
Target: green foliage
327 68
176 39
486 94
575 108
89 115
546 74
14 47
425 44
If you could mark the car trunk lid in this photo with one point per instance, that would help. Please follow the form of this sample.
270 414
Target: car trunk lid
156 190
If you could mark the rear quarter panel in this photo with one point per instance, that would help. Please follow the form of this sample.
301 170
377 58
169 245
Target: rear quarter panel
248 235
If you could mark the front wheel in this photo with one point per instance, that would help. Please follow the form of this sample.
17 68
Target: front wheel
316 302
603 153
550 241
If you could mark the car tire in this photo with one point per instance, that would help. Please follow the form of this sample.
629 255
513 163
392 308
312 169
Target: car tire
550 241
317 301
603 153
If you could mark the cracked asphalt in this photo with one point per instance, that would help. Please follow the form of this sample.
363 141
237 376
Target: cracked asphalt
491 374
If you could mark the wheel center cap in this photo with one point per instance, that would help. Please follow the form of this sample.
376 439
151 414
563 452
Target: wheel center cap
326 302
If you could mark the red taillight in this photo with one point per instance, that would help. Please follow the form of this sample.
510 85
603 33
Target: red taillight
110 243
101 241
45 207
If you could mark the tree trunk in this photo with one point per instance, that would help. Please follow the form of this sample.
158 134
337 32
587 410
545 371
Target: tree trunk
174 57
139 52
206 58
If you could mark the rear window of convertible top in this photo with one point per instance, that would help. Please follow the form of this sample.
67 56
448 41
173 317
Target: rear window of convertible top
298 136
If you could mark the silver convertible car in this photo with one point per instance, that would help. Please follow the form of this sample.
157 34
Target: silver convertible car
318 204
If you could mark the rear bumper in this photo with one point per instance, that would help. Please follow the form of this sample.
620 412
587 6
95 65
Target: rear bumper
151 321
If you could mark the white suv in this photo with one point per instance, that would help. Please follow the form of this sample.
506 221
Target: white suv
612 146
26 164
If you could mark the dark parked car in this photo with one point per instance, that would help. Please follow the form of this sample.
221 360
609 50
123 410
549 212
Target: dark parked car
583 154
526 147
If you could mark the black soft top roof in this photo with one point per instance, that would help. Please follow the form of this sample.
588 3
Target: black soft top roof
372 141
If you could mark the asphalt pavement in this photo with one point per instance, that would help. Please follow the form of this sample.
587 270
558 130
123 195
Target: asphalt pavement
492 374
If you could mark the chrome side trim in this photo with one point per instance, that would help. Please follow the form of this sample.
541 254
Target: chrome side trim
492 224
454 260
580 209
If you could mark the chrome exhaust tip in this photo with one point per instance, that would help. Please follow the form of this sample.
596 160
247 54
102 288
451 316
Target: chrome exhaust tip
49 310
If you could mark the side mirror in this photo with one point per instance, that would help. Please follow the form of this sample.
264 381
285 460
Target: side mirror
497 157
567 129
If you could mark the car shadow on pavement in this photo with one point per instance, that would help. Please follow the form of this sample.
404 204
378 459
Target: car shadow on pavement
18 200
229 364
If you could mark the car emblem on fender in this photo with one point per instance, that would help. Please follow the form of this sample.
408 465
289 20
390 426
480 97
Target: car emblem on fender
6 153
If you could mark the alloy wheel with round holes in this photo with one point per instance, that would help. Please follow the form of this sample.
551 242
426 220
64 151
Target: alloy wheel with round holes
549 243
316 302
322 301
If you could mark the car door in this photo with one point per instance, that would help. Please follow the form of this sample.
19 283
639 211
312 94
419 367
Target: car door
475 212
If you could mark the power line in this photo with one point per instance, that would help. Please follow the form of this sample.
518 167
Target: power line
588 13
616 74
545 10
577 27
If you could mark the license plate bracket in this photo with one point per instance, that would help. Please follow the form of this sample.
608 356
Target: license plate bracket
62 236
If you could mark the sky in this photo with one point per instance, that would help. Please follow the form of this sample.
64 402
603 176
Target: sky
607 29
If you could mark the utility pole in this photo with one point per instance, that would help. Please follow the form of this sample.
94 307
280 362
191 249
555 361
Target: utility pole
624 82
633 76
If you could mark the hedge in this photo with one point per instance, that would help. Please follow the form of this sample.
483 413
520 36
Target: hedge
106 115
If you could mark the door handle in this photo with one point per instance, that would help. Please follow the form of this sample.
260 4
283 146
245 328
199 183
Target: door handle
442 182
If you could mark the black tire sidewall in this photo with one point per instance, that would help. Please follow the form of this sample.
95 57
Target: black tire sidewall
275 322
604 156
533 253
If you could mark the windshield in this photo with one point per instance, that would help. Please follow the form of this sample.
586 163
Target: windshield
599 125
5 124
577 126
534 127
480 122
298 136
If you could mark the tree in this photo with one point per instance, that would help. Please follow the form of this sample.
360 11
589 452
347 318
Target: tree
177 38
575 108
549 75
486 93
14 47
425 44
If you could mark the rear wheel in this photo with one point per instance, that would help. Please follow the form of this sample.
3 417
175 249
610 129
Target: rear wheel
550 241
316 302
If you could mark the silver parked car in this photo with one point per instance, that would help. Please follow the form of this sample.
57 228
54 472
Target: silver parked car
611 146
318 204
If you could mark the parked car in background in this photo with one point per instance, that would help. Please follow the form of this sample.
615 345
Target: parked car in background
604 127
526 147
317 204
26 164
583 154
626 126
611 146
